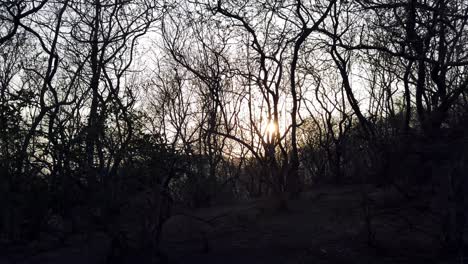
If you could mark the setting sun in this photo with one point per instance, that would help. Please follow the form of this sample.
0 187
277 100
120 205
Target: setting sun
271 128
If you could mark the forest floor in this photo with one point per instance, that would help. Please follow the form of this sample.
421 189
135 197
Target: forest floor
325 225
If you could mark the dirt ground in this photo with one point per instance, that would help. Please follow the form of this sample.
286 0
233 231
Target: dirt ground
325 225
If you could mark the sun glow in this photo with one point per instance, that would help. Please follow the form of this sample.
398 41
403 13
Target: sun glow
271 128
